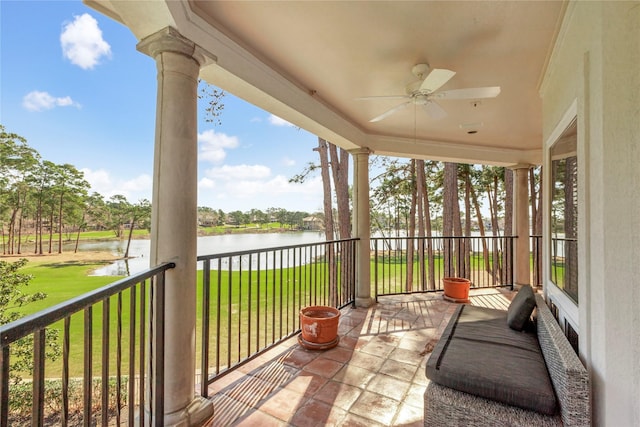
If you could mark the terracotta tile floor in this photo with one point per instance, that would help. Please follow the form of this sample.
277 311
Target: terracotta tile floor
374 377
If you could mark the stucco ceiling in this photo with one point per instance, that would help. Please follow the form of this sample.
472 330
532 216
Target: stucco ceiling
308 62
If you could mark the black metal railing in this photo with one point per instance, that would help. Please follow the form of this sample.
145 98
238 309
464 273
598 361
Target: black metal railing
72 393
251 299
564 265
418 264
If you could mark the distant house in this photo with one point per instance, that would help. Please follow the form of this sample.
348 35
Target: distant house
313 222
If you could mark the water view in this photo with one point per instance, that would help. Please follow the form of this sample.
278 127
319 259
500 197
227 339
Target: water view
139 250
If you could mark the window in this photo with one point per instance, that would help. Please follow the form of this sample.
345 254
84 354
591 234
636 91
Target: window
564 213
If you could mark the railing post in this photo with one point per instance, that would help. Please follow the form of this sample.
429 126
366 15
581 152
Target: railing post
105 361
157 352
88 364
38 377
511 241
352 265
132 340
4 386
206 303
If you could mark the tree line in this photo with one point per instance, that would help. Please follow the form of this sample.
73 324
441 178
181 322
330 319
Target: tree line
37 194
210 217
419 198
44 204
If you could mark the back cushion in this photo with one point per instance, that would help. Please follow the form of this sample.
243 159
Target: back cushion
521 308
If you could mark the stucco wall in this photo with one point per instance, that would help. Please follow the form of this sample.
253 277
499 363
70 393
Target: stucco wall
595 66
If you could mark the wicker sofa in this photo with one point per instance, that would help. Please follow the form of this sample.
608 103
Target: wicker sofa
489 390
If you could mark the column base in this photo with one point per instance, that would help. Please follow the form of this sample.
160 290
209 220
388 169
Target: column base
517 286
197 413
364 302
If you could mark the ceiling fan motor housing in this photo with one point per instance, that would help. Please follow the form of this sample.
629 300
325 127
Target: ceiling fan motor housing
420 70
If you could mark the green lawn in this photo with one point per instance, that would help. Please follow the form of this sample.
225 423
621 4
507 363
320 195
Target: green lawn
61 282
254 310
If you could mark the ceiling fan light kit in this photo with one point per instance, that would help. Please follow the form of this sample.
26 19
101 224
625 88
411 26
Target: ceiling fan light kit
425 91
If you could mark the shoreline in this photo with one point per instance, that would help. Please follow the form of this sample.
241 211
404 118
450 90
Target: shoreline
99 257
106 257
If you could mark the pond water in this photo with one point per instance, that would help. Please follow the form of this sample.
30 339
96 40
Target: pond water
139 250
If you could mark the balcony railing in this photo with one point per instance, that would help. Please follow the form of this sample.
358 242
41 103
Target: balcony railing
564 265
251 299
112 385
248 303
418 264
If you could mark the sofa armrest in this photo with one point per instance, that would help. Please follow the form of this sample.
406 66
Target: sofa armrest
569 377
444 406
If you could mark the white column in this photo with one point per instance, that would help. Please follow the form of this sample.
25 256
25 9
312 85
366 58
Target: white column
174 219
361 225
521 225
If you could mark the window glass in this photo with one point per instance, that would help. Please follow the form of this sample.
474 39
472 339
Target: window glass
564 213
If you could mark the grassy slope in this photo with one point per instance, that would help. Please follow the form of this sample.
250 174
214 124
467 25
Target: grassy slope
277 297
62 281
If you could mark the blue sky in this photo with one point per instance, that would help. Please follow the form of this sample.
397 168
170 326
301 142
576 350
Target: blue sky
73 84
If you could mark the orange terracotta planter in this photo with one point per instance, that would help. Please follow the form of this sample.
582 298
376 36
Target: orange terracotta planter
456 288
319 326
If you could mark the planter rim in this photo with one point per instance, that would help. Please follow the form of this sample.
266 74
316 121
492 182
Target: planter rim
304 310
456 279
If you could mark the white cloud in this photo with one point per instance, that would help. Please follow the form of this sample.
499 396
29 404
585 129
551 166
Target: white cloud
247 188
138 184
244 187
82 42
134 189
40 101
98 179
239 172
65 102
213 145
206 183
286 161
277 121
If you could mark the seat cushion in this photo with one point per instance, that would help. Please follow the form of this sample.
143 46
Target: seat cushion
480 355
521 308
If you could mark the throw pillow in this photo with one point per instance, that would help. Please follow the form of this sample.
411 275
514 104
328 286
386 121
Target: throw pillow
521 308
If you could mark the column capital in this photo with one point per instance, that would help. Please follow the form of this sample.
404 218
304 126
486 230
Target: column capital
360 151
169 39
520 166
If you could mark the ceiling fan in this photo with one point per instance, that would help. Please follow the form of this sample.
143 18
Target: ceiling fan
425 92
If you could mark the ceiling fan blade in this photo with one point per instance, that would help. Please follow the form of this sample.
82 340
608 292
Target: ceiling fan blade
470 93
436 78
391 111
434 110
367 98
